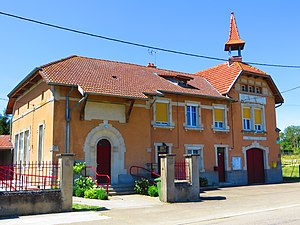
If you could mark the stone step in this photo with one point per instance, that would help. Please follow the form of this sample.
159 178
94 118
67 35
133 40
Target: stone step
121 189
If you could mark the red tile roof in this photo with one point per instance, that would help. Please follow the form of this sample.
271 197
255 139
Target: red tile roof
5 142
120 79
234 40
223 77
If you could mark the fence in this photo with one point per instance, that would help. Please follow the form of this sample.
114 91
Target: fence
29 176
181 170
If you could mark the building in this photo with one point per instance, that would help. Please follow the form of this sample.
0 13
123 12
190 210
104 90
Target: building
116 115
6 148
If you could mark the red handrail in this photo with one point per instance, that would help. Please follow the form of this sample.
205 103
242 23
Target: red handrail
153 174
101 175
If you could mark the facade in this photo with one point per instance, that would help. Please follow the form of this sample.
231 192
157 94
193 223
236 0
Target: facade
116 115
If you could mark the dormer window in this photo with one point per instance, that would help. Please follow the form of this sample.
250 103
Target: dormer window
258 90
251 89
244 87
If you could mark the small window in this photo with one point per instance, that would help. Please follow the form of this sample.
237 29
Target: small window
219 118
192 115
251 89
244 87
258 90
196 150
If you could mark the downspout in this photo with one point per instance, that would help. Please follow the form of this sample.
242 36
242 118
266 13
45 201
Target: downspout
68 117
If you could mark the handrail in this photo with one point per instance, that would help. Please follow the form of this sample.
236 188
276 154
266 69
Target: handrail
156 175
101 175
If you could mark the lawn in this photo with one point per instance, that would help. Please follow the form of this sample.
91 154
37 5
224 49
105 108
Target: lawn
290 167
80 207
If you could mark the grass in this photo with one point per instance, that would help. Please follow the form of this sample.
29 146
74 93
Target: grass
290 171
80 207
290 167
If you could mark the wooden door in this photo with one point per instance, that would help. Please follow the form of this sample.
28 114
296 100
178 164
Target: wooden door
221 165
103 159
255 166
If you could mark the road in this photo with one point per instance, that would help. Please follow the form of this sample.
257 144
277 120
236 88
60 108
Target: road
262 204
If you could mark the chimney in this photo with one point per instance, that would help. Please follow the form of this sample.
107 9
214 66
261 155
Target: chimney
151 65
233 59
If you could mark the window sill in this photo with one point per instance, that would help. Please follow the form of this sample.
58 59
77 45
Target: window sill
193 128
254 132
167 126
220 129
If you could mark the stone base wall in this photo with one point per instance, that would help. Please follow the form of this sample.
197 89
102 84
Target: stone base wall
274 175
237 177
30 202
212 177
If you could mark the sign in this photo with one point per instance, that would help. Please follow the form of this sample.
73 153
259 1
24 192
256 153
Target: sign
236 162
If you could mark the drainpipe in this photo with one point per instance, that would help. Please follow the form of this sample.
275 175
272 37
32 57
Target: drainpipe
68 117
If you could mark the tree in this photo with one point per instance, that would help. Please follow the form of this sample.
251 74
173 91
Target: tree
4 124
290 138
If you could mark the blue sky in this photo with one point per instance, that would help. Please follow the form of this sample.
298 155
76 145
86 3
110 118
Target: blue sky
270 29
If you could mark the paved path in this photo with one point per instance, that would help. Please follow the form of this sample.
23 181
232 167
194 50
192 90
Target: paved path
263 204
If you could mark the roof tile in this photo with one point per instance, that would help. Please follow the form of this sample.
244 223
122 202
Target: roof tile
5 142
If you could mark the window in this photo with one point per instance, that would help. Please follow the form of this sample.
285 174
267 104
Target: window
246 118
219 118
162 114
192 115
253 119
26 146
258 90
16 148
244 87
21 146
257 119
196 149
251 89
40 143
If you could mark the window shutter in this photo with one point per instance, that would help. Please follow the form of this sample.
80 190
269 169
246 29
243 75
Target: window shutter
162 112
219 114
257 114
246 113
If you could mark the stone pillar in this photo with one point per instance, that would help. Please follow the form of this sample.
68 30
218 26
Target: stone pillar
65 176
193 170
167 174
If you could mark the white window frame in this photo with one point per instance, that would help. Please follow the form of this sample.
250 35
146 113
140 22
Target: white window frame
27 147
246 119
158 144
226 148
40 153
225 124
16 147
156 124
254 127
199 148
19 147
244 88
198 125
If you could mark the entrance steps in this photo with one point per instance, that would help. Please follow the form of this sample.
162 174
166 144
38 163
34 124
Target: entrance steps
121 189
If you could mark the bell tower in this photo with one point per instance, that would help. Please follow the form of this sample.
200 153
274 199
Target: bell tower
234 42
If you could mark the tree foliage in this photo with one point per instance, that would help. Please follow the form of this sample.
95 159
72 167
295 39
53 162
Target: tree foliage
290 139
4 124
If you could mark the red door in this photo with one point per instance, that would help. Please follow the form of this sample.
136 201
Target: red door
221 166
103 159
255 166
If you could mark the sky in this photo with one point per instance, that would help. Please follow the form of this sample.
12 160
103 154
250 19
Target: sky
270 29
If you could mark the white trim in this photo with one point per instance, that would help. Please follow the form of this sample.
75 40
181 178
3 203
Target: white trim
255 144
252 117
118 149
157 144
38 142
226 147
199 147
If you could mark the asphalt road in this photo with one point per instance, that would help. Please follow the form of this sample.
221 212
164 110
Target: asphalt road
263 204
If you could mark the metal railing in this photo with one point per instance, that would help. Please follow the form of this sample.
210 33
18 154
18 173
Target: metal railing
181 170
141 172
98 175
29 176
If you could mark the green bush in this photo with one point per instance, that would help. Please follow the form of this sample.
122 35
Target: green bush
82 184
141 186
78 167
203 182
152 191
96 193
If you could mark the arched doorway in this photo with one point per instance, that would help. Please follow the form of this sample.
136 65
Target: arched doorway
255 166
103 159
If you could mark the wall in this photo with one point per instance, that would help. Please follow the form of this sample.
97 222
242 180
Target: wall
33 108
30 202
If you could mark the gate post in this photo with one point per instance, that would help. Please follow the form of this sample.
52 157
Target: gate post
65 176
167 174
192 160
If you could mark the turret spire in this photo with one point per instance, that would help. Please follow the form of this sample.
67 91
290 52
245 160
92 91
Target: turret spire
234 42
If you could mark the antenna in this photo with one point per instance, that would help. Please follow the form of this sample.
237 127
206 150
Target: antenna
152 52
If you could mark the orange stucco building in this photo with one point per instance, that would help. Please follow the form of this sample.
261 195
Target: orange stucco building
115 115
